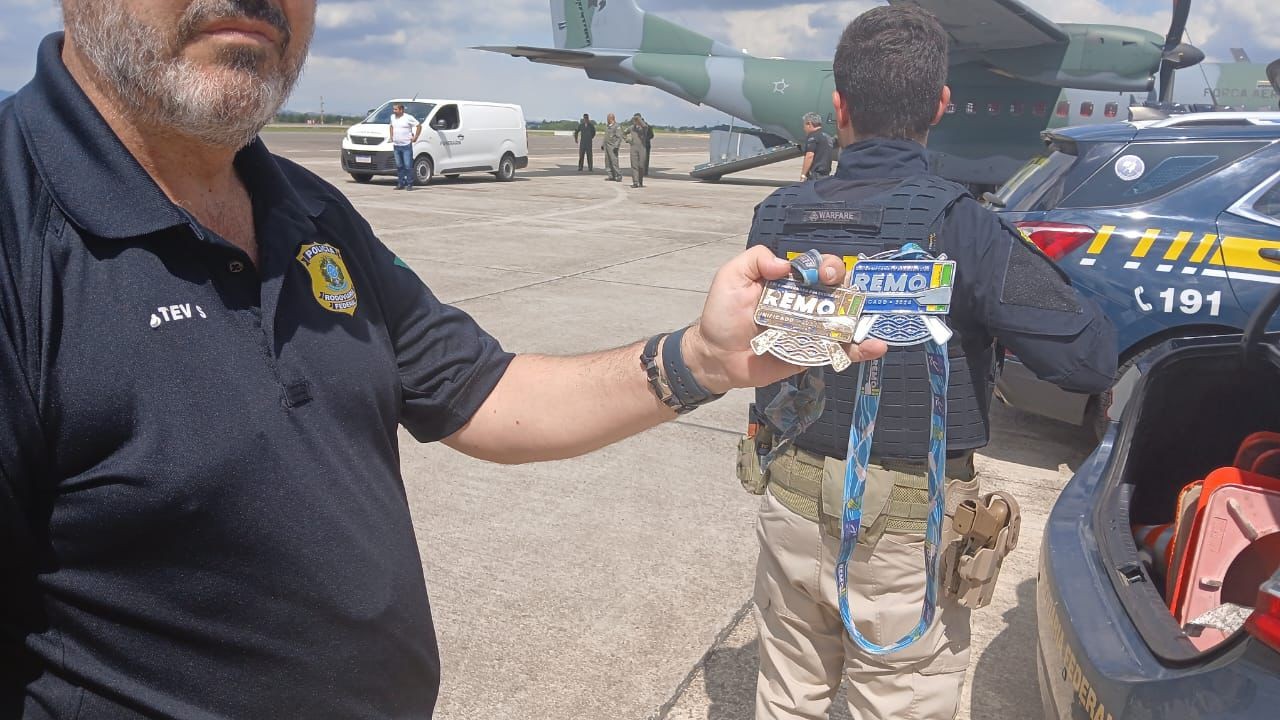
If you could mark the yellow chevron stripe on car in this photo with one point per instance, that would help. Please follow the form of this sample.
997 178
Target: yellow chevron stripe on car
1100 240
1238 252
1206 243
1144 245
1177 246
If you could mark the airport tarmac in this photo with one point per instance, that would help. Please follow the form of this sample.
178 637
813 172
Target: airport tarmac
617 585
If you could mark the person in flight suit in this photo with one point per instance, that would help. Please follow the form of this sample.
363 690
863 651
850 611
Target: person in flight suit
583 135
612 143
890 73
638 134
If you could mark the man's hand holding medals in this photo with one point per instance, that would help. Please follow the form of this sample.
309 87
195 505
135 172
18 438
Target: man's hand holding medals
720 344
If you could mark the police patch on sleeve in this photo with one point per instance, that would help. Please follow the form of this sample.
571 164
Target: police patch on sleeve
330 282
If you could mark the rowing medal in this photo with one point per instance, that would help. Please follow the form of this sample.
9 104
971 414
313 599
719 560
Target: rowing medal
905 299
806 324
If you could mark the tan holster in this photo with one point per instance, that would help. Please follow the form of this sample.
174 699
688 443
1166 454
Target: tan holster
983 532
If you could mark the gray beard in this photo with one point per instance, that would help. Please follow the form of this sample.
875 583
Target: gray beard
224 105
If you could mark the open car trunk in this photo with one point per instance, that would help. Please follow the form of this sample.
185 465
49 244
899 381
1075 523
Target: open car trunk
1196 402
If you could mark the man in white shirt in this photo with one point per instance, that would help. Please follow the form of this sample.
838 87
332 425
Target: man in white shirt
405 130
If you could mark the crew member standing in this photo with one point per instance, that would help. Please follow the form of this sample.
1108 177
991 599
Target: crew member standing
612 143
637 134
648 146
817 148
585 133
890 72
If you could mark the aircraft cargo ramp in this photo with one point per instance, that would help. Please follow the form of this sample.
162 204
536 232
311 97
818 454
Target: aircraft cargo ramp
734 151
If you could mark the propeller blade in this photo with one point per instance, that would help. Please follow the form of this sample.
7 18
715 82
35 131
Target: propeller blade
1165 95
1178 26
1176 53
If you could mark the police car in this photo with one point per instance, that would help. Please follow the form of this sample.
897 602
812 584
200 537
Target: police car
1115 639
1172 226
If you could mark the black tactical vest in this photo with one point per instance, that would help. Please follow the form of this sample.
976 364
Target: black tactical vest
874 216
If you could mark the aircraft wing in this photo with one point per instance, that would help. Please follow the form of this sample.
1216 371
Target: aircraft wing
549 56
977 25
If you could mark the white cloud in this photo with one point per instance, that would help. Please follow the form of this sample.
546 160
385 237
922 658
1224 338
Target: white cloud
368 50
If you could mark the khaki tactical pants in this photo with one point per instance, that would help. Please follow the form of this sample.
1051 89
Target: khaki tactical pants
804 649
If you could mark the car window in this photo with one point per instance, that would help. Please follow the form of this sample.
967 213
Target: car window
1269 203
1145 171
1036 180
419 110
446 118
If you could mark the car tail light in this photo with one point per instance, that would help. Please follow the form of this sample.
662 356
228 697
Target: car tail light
1264 623
1057 240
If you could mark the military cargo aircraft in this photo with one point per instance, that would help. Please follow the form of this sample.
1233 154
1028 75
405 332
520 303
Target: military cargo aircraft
1013 75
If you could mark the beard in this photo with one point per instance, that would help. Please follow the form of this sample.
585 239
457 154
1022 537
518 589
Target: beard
224 102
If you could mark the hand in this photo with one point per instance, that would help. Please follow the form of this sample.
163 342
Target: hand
718 347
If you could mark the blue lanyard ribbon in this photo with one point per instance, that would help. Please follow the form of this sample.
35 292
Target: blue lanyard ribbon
861 432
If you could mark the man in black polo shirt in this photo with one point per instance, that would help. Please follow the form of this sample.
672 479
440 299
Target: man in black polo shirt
204 357
818 148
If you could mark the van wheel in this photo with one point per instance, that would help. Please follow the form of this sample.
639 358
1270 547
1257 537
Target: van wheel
506 168
423 170
361 177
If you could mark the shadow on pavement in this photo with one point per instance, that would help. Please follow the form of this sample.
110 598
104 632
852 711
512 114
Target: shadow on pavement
730 677
1026 439
1004 680
730 682
671 174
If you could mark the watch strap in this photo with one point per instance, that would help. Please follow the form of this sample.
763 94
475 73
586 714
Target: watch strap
685 387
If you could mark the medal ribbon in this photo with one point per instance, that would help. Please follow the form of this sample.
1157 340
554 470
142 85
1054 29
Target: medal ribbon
859 455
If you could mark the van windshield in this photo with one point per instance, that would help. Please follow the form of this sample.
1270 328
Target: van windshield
419 110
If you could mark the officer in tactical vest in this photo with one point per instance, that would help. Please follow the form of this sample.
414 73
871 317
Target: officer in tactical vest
890 73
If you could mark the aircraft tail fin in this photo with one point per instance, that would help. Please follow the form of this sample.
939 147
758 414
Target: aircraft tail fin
621 25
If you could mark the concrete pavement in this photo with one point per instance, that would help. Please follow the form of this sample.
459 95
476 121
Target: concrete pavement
613 586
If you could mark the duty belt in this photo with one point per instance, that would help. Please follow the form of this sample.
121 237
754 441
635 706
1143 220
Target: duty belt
796 482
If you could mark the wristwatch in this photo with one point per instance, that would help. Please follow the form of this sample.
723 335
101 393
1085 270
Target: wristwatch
672 381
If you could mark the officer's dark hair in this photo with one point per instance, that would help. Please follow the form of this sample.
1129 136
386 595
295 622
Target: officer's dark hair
890 67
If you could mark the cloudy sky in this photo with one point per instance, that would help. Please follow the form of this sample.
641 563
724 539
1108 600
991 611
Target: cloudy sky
368 50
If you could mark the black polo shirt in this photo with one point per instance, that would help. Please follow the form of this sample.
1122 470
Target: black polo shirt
201 508
819 143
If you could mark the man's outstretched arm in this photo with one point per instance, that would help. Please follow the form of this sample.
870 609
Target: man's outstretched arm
548 408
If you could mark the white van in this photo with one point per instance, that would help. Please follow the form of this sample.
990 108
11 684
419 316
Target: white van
457 136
